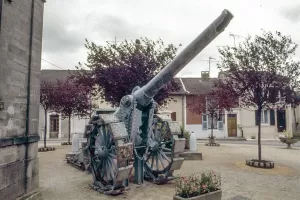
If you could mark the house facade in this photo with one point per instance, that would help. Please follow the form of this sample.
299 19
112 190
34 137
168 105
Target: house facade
239 122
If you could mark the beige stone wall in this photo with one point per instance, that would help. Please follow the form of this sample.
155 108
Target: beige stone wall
247 122
176 106
18 157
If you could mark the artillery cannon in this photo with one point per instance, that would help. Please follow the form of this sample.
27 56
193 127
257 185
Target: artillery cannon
133 136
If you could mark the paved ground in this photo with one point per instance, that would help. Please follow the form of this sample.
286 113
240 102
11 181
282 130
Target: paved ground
59 181
253 142
245 142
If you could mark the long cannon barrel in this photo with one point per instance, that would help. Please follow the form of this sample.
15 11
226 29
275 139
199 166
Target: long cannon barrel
147 92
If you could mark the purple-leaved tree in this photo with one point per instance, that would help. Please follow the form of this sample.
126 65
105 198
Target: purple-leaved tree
47 100
72 99
212 103
114 70
259 70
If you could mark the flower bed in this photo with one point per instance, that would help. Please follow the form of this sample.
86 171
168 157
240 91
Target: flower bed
198 185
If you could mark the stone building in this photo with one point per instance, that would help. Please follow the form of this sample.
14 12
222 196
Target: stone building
21 24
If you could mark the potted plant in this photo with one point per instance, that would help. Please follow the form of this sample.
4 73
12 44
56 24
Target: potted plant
206 186
186 134
288 139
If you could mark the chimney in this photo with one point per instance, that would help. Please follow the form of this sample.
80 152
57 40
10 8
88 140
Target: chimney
205 75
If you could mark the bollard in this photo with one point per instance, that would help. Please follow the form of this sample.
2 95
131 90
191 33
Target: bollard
75 143
75 146
193 142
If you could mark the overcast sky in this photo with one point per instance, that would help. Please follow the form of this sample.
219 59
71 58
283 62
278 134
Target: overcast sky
68 22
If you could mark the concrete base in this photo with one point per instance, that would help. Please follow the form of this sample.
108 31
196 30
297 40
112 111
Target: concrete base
36 195
191 155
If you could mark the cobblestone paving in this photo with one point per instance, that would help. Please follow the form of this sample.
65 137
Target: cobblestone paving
59 181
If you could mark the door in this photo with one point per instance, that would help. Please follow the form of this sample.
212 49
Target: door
281 120
54 126
232 125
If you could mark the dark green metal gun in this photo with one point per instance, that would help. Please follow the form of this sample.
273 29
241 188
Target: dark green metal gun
135 136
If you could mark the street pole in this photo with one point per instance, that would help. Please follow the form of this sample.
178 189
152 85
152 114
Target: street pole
234 36
115 41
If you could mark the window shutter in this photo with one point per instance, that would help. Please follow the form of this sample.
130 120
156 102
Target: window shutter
256 118
173 116
220 125
272 117
204 122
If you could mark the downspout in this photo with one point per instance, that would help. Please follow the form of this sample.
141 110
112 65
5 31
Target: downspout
184 104
183 110
28 95
1 1
241 118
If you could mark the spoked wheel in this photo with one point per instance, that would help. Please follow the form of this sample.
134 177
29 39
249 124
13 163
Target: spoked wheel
103 157
158 154
103 162
109 150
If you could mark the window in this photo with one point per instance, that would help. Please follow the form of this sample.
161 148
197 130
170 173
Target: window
207 122
214 121
264 117
173 116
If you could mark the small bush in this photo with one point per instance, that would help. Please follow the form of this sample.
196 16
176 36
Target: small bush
185 134
197 184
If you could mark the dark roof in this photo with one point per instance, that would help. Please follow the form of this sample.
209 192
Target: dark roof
52 75
187 86
181 90
196 85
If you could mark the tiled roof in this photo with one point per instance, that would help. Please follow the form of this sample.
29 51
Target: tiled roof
187 86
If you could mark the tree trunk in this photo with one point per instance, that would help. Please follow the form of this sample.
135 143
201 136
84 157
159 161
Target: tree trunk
212 126
69 137
259 133
45 129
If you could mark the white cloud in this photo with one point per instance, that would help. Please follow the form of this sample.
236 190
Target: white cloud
67 23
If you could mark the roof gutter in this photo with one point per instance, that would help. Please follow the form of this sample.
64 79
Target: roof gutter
184 104
183 86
